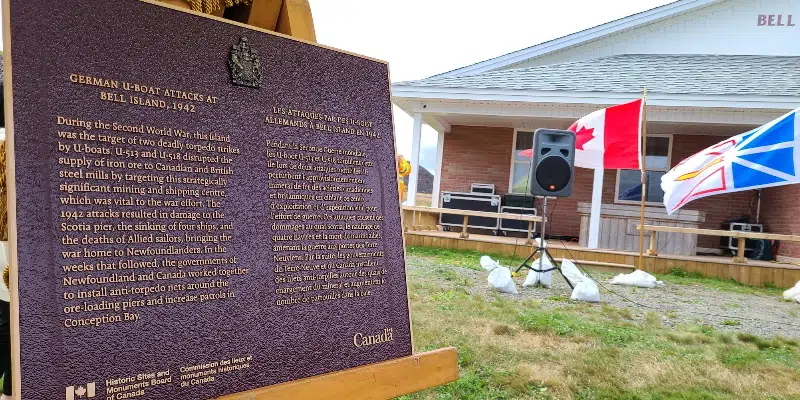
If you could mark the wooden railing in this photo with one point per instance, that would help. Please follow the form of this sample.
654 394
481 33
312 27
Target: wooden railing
739 258
468 213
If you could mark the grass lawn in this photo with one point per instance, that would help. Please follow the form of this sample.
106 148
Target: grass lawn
518 349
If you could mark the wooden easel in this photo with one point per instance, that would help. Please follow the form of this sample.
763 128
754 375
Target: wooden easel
379 381
289 17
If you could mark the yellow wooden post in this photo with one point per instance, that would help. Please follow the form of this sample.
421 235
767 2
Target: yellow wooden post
384 380
530 232
295 20
185 4
464 233
740 252
290 17
260 13
653 251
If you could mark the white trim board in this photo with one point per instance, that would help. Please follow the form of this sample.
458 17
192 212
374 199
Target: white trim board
423 93
574 111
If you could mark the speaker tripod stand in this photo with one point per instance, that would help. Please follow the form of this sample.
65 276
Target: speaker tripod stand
541 249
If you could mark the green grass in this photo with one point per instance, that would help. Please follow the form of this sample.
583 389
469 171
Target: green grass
462 258
511 348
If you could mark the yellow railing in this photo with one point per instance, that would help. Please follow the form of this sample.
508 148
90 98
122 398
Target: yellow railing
739 258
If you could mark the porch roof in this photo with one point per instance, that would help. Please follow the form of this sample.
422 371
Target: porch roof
722 75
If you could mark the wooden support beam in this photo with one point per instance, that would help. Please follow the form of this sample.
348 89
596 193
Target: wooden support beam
606 266
384 380
185 4
530 233
718 232
464 233
178 3
653 250
260 13
295 20
740 258
452 211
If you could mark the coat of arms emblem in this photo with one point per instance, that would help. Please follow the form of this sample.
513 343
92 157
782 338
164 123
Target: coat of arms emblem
245 64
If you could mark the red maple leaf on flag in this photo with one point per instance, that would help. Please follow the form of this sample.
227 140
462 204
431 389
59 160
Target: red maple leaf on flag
583 135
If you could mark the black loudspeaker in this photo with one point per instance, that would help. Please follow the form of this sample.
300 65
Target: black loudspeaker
552 166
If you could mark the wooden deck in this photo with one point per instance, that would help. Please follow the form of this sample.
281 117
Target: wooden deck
752 272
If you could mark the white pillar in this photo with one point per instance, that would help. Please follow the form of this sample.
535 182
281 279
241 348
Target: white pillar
416 142
597 201
437 178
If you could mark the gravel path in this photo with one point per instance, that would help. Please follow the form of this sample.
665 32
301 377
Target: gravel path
759 314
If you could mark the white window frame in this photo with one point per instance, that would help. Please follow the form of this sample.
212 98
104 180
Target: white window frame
513 155
619 171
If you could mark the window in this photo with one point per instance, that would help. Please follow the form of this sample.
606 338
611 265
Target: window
629 182
521 164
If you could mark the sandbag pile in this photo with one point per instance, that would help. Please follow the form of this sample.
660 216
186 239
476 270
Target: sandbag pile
488 264
500 279
793 293
535 278
499 276
585 287
637 278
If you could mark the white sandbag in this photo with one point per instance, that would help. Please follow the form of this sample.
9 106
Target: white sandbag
571 272
500 279
488 264
540 278
586 290
797 299
637 278
792 293
538 242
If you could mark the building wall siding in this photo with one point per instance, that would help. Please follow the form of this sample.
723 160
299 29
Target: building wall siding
780 212
476 155
483 154
726 28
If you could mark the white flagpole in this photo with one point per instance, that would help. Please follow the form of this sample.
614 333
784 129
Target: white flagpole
594 215
644 178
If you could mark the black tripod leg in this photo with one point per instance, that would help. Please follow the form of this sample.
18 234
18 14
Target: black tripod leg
525 263
547 253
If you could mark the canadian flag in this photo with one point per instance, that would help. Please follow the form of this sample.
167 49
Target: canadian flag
610 138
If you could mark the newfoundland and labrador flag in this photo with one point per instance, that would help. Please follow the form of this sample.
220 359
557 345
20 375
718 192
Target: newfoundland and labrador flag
764 157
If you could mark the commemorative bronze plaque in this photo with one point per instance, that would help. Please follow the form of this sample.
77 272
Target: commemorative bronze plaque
201 208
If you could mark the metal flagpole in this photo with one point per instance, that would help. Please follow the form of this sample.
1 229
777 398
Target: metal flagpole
644 178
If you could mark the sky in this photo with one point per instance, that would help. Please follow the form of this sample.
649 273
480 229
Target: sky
420 38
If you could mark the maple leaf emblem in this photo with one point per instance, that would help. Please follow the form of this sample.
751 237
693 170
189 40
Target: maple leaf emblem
583 135
80 391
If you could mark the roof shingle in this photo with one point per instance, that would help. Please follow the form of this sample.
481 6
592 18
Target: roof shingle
630 73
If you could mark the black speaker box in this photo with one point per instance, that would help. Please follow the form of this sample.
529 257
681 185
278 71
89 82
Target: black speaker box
552 171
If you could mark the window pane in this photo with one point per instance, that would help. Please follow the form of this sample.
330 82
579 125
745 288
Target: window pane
630 186
658 153
524 142
520 174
